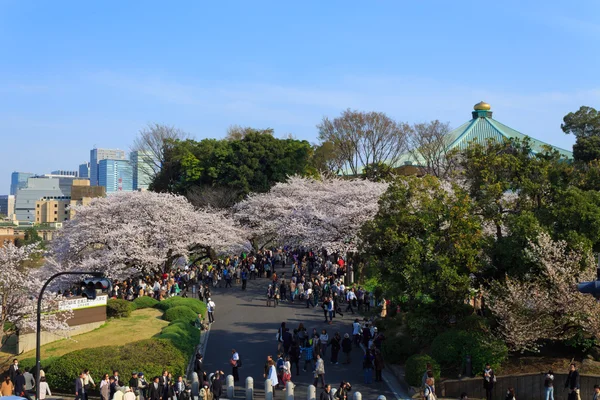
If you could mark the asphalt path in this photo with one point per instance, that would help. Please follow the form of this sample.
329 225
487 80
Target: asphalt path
245 323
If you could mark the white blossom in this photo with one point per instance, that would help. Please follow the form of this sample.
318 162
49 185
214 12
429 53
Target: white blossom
143 231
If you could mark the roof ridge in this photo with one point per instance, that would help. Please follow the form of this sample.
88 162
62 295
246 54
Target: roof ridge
469 128
527 136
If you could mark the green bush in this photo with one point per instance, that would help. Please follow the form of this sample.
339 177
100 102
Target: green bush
416 366
118 308
474 323
144 302
198 306
150 356
423 326
397 348
181 313
183 335
451 347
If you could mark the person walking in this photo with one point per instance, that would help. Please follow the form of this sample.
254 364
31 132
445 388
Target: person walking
44 388
510 394
335 347
79 388
368 367
210 307
235 364
323 342
326 394
319 371
573 383
307 350
105 388
217 385
272 375
429 392
7 388
294 355
379 365
489 379
347 347
549 385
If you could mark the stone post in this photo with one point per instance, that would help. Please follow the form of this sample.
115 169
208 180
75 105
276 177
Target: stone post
268 390
333 392
357 396
195 385
289 391
382 397
249 388
230 385
311 394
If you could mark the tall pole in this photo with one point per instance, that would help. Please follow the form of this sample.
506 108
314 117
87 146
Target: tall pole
39 324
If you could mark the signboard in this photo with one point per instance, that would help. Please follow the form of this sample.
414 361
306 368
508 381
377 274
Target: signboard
82 302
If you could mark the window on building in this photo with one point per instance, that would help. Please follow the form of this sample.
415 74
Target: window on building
56 219
55 205
66 212
55 212
37 205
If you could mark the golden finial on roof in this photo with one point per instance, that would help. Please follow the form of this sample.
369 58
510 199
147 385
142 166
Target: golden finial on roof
482 105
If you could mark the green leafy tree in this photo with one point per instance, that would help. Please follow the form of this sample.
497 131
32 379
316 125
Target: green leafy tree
425 241
585 125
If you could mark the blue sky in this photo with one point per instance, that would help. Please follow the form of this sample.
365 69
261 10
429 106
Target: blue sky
79 74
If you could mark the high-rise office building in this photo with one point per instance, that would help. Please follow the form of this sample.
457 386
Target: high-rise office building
84 170
102 154
142 166
18 180
62 172
115 175
7 205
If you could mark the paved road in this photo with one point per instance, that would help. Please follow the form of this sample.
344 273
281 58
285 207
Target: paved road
244 322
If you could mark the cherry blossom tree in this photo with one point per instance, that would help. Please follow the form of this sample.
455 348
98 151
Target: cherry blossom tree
19 288
143 231
549 306
326 212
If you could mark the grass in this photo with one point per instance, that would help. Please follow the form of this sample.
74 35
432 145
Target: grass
143 324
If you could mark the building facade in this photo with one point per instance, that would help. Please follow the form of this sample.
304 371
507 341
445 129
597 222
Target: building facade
142 166
40 188
18 180
62 172
115 176
51 210
84 170
96 155
7 205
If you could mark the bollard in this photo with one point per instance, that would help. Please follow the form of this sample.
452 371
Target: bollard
382 397
289 391
311 394
230 384
268 390
195 384
357 396
333 392
249 388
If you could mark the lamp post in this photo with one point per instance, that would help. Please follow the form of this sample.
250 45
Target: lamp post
39 324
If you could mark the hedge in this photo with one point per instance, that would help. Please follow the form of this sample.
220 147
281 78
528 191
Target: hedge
182 313
118 308
397 348
144 302
198 306
416 366
450 349
150 356
183 335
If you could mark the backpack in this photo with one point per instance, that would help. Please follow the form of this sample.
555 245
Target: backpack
239 362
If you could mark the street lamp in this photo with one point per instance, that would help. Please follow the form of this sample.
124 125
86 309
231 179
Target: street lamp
39 323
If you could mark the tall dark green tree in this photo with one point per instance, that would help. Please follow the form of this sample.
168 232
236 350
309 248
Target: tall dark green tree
585 125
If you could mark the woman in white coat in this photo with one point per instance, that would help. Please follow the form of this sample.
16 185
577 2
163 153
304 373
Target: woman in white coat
44 388
273 376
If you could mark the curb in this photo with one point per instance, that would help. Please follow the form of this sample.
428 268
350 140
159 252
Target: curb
200 348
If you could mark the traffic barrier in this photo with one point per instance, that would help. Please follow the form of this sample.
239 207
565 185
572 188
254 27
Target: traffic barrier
268 390
195 384
311 394
289 391
357 396
230 384
249 388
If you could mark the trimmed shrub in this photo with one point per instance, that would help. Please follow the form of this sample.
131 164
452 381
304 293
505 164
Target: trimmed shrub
416 366
474 323
183 335
451 347
144 302
181 313
196 305
150 356
397 348
118 308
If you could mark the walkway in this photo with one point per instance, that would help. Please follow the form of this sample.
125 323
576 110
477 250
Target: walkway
244 322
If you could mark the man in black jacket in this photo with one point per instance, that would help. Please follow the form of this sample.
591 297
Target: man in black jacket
217 385
79 387
572 383
12 370
326 394
155 389
199 368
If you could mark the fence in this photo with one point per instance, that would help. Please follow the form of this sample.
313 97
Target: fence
249 389
527 387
